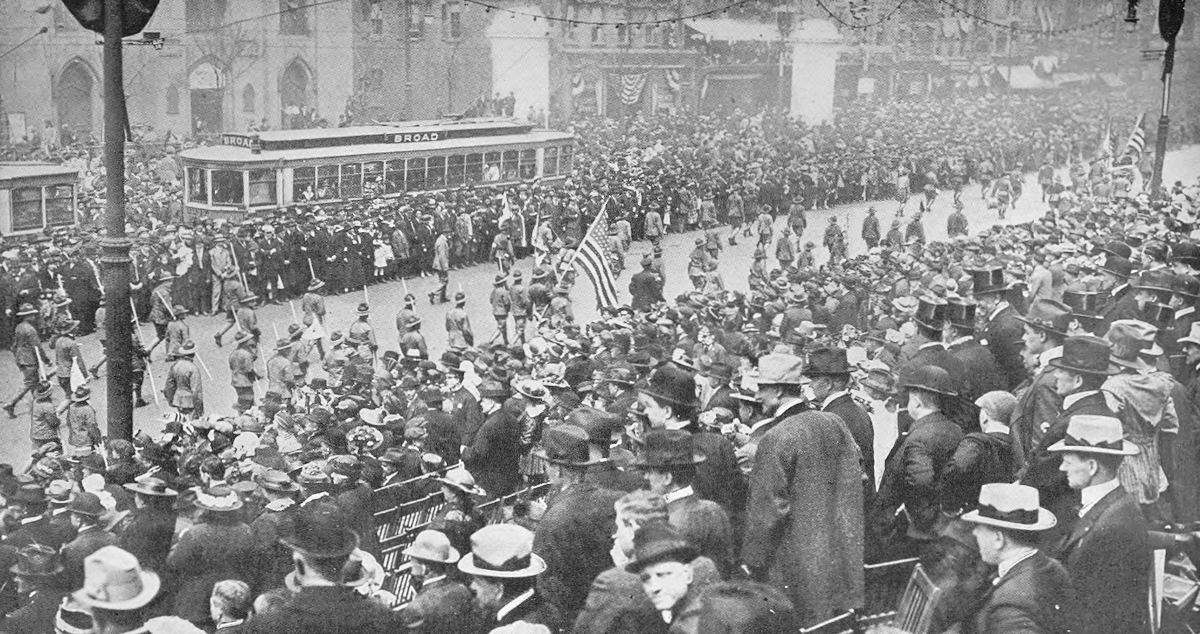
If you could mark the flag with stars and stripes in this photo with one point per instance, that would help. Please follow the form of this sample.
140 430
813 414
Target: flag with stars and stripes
594 256
1137 138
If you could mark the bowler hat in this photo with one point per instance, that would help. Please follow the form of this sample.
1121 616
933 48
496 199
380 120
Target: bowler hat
1085 354
1088 433
1117 248
672 385
827 362
931 378
658 541
503 551
85 503
1048 315
318 530
1011 506
1117 266
665 448
113 579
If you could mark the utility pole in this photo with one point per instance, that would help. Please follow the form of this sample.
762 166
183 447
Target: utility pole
115 258
409 23
1170 20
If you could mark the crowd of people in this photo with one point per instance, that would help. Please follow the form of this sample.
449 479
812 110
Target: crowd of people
1016 407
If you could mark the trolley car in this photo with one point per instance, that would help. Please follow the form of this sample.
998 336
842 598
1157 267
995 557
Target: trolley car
273 170
35 197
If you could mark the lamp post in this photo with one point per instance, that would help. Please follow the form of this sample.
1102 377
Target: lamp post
1170 20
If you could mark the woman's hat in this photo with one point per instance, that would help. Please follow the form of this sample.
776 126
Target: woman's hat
531 389
319 531
666 448
1085 354
36 560
431 545
461 479
1087 433
673 385
658 541
114 580
502 551
152 486
219 499
276 480
1012 506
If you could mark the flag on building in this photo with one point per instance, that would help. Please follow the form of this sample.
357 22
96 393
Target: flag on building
594 256
1137 138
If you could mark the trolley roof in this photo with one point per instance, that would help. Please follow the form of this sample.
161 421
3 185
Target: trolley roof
11 171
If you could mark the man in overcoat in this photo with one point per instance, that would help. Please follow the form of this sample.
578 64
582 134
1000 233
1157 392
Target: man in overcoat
805 526
1001 331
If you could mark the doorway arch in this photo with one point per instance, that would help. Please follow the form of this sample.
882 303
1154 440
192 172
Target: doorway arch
295 94
75 94
206 88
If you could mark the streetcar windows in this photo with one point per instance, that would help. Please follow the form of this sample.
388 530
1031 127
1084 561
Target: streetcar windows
393 180
373 178
436 175
304 184
508 168
327 182
351 180
197 188
528 164
27 208
60 205
564 161
491 167
262 188
415 175
228 187
474 168
550 162
454 171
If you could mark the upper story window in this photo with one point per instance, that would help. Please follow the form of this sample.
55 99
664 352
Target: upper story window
204 14
293 17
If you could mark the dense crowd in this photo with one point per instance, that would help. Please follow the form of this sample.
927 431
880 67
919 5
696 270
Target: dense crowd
1016 407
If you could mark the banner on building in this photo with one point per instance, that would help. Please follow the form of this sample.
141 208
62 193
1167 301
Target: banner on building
632 86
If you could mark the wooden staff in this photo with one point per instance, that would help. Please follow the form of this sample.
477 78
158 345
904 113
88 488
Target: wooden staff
366 299
293 305
205 367
311 271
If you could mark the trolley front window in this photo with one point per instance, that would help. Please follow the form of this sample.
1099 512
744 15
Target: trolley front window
352 180
27 208
197 188
491 167
60 205
228 187
304 184
508 169
373 178
262 188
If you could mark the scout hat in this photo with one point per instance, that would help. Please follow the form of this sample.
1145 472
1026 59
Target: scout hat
502 551
1012 506
1088 433
114 580
82 394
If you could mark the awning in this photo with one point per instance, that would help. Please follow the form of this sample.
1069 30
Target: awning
1023 78
730 30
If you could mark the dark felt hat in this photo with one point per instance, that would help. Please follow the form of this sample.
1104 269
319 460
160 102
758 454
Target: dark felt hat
827 362
658 541
566 444
988 280
961 312
931 312
665 448
1048 315
931 378
318 530
1084 304
673 385
1085 354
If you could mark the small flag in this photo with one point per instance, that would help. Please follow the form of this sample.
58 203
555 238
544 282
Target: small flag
78 378
1137 138
594 255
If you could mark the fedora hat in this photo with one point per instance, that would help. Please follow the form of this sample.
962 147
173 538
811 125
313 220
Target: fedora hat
502 551
780 369
1085 354
36 560
658 541
961 312
1084 304
665 448
1160 282
219 499
931 378
988 280
827 362
1087 433
319 531
315 284
1193 336
1049 315
461 479
431 545
673 385
114 580
931 312
1012 506
1186 286
1128 338
152 486
566 444
85 503
278 481
880 379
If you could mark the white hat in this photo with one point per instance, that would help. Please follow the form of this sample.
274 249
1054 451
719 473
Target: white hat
503 551
1012 506
1095 434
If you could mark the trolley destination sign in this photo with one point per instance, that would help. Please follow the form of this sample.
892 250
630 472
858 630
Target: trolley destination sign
391 134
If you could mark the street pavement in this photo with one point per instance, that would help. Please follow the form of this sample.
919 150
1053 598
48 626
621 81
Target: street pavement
386 300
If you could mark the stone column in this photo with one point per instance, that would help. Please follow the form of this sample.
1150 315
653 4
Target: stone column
815 45
521 59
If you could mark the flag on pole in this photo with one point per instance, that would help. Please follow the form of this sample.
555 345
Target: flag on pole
78 378
1137 138
1104 150
594 256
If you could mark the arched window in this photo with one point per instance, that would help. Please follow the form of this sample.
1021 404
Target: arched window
172 100
248 98
76 91
294 94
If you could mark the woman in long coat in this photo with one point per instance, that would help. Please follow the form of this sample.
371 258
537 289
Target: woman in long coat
220 546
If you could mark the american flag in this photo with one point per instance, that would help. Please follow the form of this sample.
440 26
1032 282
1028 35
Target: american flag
1137 138
594 256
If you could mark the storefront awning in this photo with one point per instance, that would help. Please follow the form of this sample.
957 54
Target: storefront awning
730 30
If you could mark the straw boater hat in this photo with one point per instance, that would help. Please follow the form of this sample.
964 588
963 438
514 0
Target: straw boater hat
1011 506
114 580
502 551
1088 433
151 486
